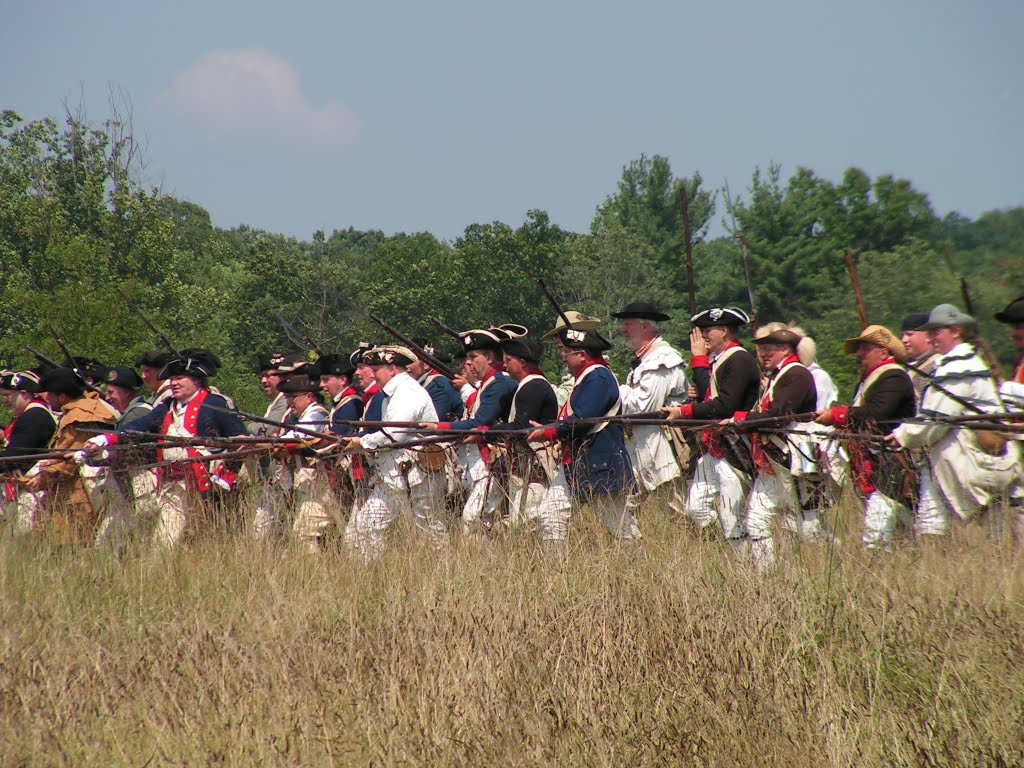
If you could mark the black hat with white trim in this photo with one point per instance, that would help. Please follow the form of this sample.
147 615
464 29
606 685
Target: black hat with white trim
720 317
641 310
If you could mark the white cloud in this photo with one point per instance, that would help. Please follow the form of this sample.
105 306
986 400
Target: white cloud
250 94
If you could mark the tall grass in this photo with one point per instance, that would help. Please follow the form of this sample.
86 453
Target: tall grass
493 652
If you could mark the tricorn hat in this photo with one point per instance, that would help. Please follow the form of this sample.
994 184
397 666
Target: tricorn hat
1014 312
579 321
356 358
389 355
126 378
641 310
719 317
198 363
332 365
525 349
880 335
25 381
483 339
152 358
574 338
62 381
947 316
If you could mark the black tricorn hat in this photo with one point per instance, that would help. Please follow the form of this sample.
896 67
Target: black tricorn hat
715 317
641 310
332 365
298 382
356 358
483 339
62 381
198 363
574 338
525 349
1014 312
25 381
153 358
126 378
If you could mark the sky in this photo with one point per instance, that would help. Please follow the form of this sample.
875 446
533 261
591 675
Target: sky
414 116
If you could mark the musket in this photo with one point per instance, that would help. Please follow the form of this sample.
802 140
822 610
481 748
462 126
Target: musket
750 282
145 321
36 456
548 295
420 352
984 350
684 201
247 452
280 424
72 361
445 328
297 336
861 311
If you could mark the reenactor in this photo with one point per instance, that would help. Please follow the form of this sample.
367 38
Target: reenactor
405 478
787 390
531 468
884 395
723 471
920 352
965 471
491 404
68 506
299 473
189 474
657 378
29 433
595 467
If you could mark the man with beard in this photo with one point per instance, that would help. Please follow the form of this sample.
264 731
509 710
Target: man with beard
657 378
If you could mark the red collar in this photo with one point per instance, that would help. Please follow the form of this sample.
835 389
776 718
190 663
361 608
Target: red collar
875 368
785 361
590 364
488 375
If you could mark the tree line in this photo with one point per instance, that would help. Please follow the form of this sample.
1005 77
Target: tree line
79 227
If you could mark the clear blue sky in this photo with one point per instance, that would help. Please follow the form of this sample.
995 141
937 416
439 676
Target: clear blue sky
413 116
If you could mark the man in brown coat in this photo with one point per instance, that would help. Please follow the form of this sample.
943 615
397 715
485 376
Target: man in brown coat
66 504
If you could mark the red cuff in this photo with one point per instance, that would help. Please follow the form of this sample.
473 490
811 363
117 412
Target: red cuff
551 434
444 425
840 415
686 411
700 361
481 428
740 416
112 439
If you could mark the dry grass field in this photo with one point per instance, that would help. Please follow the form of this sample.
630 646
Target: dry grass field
493 653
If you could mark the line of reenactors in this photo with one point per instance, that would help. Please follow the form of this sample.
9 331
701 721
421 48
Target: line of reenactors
739 444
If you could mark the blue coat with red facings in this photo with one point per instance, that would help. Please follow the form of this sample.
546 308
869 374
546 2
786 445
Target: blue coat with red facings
600 463
209 422
494 402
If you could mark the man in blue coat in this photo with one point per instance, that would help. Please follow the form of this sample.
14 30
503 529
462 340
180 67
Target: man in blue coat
595 466
193 411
